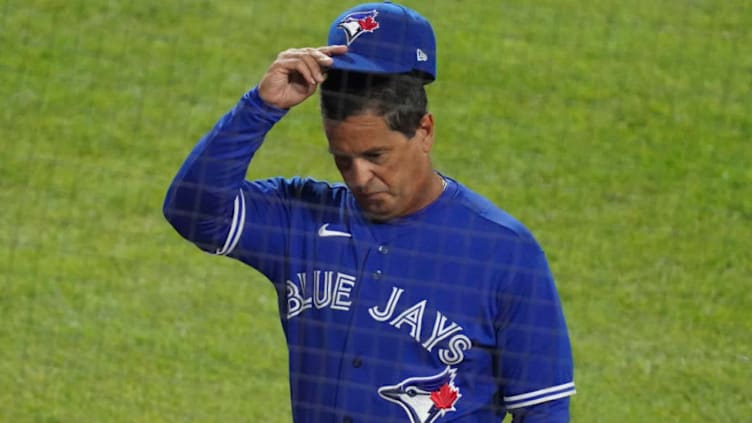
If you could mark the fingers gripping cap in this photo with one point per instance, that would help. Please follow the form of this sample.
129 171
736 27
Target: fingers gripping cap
384 38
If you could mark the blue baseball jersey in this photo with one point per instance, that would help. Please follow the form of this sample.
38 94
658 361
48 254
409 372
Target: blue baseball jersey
448 314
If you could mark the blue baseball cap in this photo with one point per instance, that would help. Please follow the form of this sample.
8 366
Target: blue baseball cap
384 38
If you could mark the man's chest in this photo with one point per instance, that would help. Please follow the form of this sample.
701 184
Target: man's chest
406 292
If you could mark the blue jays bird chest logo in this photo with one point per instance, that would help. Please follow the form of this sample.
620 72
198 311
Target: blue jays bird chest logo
424 399
358 23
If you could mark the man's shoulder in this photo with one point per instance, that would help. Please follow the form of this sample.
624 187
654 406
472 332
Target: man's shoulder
303 188
311 185
481 214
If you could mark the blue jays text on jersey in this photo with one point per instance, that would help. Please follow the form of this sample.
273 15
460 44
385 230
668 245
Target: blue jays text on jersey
449 314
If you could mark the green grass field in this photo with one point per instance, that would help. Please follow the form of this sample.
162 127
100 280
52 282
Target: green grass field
620 132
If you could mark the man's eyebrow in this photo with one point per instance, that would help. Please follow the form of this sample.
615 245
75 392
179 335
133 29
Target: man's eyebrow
375 150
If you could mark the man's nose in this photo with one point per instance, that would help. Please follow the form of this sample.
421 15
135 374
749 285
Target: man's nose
359 174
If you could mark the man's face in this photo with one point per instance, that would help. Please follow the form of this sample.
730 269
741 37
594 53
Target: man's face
387 172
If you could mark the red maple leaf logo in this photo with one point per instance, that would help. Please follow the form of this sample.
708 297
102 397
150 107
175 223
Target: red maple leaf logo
368 24
445 397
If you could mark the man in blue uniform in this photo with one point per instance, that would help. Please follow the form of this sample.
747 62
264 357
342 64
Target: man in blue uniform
403 295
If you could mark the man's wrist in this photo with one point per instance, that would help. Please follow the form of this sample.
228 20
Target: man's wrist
253 98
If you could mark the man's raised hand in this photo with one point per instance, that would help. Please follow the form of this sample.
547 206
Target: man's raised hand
295 74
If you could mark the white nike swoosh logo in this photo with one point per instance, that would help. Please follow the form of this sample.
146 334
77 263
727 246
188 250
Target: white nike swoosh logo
325 232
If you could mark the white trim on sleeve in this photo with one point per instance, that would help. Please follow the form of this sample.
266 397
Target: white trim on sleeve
236 229
540 396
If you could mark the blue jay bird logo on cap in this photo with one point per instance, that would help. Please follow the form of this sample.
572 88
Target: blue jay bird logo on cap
425 399
358 23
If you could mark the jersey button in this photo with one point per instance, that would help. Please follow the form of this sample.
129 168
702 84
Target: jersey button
357 362
383 249
377 274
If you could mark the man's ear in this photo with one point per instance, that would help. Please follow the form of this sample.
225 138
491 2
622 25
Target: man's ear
425 132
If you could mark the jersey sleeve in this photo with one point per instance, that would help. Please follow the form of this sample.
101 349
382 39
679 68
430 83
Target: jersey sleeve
536 368
208 199
262 228
554 411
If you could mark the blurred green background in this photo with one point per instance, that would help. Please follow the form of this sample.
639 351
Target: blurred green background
619 131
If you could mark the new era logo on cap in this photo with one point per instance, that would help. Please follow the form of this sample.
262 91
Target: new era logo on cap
384 38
